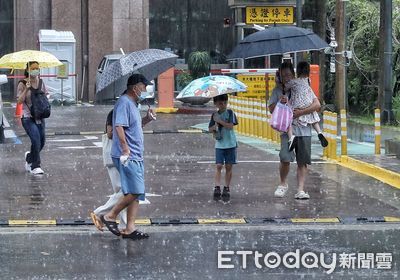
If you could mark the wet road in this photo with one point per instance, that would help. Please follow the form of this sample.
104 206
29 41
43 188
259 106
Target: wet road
179 177
191 252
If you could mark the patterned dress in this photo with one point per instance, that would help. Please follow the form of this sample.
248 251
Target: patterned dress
301 97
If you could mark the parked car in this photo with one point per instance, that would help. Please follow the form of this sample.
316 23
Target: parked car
111 93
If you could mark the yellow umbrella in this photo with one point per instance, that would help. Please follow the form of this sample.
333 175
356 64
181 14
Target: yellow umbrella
18 60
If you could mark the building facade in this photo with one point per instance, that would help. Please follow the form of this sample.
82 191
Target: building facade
103 27
100 27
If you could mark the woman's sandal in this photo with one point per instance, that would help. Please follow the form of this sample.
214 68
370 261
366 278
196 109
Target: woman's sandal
98 224
111 225
136 235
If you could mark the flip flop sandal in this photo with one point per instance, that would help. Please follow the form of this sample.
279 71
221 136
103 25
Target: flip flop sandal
96 221
112 226
136 235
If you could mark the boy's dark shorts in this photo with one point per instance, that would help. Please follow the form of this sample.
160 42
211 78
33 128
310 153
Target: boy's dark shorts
225 156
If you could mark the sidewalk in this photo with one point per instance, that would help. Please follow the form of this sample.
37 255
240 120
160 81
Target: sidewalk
387 168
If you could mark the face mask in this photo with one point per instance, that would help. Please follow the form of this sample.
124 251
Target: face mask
34 73
143 95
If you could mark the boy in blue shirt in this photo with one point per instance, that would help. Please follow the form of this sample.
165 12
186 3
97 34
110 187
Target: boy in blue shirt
221 125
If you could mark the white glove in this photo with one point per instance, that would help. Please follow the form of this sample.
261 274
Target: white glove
124 160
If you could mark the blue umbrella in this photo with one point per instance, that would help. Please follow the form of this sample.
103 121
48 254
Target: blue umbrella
212 86
276 41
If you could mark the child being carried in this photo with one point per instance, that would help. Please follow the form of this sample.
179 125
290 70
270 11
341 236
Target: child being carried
301 96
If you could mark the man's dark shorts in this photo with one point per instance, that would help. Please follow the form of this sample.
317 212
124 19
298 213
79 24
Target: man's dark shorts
284 154
303 150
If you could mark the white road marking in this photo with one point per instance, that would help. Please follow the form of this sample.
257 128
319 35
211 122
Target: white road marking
146 201
5 122
9 134
153 194
244 161
98 144
77 147
91 137
65 140
257 161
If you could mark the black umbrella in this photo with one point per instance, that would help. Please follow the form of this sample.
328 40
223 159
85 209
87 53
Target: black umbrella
278 40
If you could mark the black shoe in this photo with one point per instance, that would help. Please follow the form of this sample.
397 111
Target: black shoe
226 192
292 144
323 140
226 196
217 192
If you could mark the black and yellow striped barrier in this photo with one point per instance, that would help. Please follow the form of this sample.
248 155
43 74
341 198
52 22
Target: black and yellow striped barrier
210 221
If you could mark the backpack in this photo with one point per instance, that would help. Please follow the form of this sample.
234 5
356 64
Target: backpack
218 134
41 108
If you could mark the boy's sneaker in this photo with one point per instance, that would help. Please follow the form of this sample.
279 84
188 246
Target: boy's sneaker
292 143
217 191
226 192
323 140
27 165
37 171
281 191
302 195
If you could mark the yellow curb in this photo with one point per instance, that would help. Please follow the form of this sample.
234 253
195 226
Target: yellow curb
316 220
31 222
166 110
379 173
221 221
190 131
142 222
392 219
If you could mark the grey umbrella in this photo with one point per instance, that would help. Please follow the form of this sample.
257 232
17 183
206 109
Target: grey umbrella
149 62
278 40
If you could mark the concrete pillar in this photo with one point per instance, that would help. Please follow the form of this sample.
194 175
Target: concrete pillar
130 25
127 29
110 25
100 34
67 16
30 17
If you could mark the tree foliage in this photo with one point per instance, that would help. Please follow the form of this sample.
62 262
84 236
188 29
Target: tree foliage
363 20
